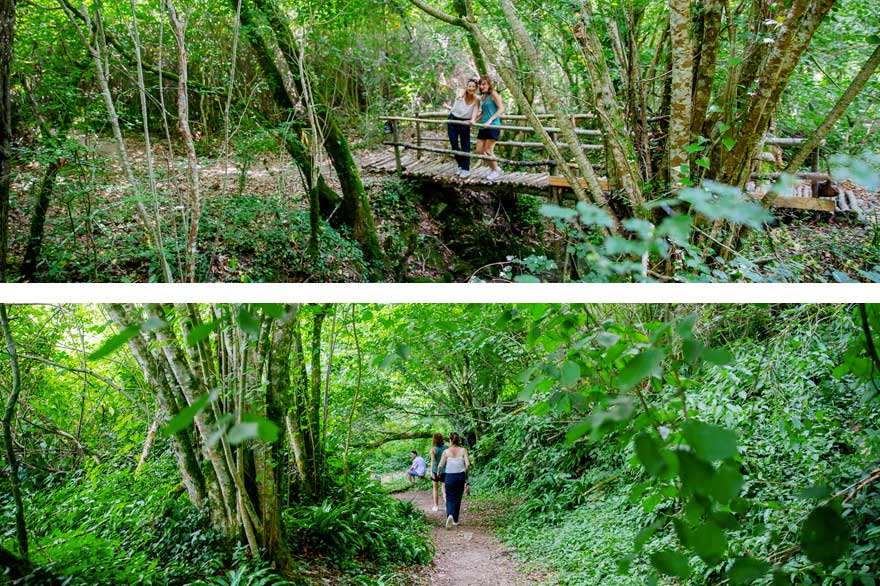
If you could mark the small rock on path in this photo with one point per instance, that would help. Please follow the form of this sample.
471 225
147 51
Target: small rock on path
467 555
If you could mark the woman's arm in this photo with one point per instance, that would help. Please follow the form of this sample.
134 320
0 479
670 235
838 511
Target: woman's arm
442 460
432 457
477 113
497 99
467 462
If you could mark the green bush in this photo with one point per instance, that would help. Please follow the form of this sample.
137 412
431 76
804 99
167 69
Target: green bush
370 526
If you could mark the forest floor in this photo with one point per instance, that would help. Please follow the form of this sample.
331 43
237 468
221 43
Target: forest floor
436 235
467 555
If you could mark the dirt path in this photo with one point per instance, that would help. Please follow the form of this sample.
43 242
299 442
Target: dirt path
467 555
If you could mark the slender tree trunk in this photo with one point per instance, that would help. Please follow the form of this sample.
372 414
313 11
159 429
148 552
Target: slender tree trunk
98 52
836 112
464 10
682 82
797 30
7 34
355 204
8 415
38 221
148 444
704 71
195 203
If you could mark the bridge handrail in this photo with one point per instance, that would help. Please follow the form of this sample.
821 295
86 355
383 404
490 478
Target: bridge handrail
543 163
579 131
441 119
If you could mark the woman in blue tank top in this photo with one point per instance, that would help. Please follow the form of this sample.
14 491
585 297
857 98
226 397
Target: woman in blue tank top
489 112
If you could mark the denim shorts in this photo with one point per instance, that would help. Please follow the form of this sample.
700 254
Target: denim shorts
489 133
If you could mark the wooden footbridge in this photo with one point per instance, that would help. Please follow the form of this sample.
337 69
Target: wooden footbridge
413 156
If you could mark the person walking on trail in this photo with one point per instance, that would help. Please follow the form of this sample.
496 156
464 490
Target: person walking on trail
438 446
460 134
455 459
489 112
418 468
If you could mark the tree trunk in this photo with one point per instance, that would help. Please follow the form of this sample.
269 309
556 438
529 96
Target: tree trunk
682 82
8 415
38 221
195 205
795 34
7 33
322 199
97 52
836 112
464 10
355 204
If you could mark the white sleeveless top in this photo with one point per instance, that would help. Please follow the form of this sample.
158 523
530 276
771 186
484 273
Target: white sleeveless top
460 109
454 465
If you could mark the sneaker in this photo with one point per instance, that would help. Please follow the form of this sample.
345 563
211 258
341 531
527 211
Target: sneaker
434 508
454 524
493 175
449 521
464 173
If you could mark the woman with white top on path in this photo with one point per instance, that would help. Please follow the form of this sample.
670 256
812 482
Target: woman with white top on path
456 461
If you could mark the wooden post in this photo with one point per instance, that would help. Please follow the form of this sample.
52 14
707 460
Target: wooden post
418 137
814 167
396 136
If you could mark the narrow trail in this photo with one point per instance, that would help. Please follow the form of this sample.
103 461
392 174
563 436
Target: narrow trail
467 555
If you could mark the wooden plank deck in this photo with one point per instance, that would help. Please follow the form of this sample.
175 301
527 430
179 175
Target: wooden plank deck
444 171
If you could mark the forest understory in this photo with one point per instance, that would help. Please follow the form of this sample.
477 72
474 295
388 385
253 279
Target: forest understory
256 230
610 445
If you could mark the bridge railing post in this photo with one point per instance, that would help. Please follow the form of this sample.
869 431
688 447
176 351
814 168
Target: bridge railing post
418 137
396 136
814 167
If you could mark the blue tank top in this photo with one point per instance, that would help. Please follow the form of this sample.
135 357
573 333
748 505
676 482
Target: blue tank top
489 108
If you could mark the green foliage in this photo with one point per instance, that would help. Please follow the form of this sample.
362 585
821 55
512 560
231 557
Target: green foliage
106 526
369 526
723 492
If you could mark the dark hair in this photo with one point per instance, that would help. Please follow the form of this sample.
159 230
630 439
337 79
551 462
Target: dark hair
455 439
437 439
488 80
414 452
474 81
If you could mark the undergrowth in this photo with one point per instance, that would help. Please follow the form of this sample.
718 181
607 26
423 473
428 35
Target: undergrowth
804 435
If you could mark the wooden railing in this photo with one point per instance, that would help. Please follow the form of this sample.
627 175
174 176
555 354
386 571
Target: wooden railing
420 120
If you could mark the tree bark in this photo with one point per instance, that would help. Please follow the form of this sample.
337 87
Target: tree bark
97 53
836 112
464 10
355 204
8 415
7 34
682 83
195 204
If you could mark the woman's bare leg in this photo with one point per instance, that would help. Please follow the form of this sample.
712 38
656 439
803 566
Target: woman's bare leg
489 148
